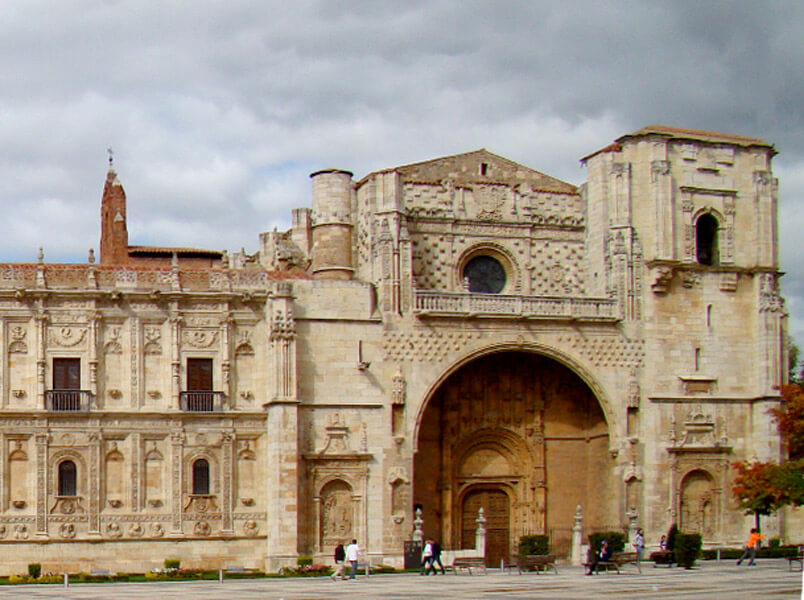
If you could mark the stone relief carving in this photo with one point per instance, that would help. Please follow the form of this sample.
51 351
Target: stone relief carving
426 345
113 345
608 351
398 389
250 528
202 528
153 337
337 436
66 337
243 346
199 338
18 345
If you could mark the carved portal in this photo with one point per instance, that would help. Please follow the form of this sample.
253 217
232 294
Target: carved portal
510 428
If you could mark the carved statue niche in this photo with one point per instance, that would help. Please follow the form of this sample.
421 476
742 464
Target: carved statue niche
337 513
115 477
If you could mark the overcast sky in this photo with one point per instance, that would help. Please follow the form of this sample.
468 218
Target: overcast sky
218 111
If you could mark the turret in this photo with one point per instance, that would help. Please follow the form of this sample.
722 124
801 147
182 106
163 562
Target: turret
332 224
114 234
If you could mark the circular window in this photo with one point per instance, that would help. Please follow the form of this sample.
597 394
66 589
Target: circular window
486 275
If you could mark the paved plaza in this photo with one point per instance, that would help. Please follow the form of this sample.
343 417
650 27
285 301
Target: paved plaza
770 580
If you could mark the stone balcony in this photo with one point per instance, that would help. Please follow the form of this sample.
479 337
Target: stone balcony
466 304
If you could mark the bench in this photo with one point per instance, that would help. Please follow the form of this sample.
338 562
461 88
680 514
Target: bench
532 562
617 560
799 559
468 563
662 557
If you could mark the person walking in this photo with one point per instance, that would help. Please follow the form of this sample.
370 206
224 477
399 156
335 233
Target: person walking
340 557
427 557
751 547
437 558
353 555
639 544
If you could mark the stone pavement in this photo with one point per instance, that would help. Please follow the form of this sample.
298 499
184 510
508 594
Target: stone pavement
771 579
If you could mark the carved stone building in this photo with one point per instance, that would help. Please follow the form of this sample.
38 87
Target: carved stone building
459 333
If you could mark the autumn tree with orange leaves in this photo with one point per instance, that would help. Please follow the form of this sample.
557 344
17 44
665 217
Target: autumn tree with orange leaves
762 488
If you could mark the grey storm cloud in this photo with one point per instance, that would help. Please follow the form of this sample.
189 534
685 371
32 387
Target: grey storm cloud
217 111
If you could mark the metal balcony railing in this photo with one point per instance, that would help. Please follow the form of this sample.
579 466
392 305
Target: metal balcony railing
201 401
67 400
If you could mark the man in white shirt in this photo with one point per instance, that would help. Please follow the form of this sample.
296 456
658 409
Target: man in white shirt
352 555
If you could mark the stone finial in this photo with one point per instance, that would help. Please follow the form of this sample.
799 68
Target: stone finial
40 256
418 535
91 257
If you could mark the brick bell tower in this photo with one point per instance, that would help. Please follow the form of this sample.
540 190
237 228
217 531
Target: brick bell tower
114 234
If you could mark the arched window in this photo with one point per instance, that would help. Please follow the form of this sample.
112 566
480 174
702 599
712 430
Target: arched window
706 240
67 479
201 477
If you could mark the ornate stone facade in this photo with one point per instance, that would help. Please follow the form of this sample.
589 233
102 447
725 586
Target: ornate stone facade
456 334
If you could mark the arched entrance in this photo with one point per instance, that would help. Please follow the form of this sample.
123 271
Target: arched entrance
523 437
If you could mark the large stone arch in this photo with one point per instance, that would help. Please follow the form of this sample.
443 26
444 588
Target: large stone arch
527 347
526 430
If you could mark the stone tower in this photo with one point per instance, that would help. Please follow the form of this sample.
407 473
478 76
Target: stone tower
332 224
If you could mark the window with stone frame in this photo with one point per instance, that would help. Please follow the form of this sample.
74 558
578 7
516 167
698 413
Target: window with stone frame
706 246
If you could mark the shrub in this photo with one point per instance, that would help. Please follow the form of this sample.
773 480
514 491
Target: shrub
534 544
671 537
172 563
616 540
774 542
34 570
687 548
304 561
19 579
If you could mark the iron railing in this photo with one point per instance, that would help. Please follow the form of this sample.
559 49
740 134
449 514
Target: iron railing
201 401
68 400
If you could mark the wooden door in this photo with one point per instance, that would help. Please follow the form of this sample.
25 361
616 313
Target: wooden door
66 373
496 510
199 374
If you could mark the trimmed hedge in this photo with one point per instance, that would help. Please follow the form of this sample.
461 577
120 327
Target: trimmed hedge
687 548
534 544
735 553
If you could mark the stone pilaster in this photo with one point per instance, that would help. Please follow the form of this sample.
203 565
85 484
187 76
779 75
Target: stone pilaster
227 459
177 438
95 458
42 441
662 184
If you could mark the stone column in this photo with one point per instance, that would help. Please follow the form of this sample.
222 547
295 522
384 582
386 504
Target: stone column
480 534
41 319
175 358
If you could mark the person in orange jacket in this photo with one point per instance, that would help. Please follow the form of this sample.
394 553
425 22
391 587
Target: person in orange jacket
751 547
